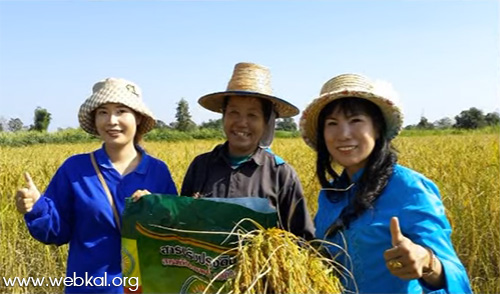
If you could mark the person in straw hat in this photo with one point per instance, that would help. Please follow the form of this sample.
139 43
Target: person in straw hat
244 166
389 218
83 202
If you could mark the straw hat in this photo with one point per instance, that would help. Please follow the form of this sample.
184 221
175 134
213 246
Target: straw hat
353 85
252 80
114 90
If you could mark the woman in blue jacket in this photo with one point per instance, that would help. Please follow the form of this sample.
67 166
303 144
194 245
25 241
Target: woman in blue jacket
84 200
388 219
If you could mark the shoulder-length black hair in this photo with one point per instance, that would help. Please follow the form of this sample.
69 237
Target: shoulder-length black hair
378 168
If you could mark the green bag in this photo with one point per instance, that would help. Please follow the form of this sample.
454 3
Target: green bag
165 249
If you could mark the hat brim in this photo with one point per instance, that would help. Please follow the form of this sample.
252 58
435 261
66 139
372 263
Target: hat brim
309 121
215 101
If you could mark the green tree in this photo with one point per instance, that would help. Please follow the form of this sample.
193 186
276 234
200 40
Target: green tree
470 119
184 122
492 119
212 124
444 123
173 125
3 124
424 124
15 124
286 124
161 125
41 120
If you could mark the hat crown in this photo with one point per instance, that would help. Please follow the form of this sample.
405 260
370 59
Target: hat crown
117 83
251 77
347 81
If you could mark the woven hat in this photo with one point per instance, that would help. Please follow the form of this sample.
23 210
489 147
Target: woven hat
252 80
114 90
353 85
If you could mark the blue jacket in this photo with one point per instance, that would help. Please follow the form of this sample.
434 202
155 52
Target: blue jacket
75 209
415 200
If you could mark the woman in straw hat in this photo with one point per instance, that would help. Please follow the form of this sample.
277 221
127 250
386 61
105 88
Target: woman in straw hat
244 166
84 200
389 218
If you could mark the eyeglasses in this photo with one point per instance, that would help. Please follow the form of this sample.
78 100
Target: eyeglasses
339 189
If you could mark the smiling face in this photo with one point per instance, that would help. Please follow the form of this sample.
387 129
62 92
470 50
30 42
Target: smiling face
350 137
116 124
244 124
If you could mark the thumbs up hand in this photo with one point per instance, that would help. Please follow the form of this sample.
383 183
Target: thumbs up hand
28 196
405 259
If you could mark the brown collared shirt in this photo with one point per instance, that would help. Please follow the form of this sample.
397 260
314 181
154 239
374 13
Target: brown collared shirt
264 175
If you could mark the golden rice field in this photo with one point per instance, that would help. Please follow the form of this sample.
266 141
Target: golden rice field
465 167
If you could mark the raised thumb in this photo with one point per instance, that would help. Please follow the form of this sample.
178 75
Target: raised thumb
396 235
29 181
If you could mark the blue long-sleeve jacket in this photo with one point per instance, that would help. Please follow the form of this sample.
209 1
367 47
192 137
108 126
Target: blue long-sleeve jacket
75 209
416 201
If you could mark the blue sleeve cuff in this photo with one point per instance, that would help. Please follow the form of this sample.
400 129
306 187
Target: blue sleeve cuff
427 290
40 208
456 280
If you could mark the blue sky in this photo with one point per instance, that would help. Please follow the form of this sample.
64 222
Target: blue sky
441 56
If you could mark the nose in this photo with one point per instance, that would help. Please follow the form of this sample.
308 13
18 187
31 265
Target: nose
242 121
344 131
112 119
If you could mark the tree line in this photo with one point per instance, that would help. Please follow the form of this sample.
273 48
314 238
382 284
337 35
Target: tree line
472 118
41 122
183 122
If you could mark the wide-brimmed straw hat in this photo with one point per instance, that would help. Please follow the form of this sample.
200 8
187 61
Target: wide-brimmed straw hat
353 85
252 80
115 90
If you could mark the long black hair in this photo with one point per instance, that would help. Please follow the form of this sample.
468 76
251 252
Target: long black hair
378 168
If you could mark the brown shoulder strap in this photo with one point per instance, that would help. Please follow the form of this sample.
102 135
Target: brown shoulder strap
106 189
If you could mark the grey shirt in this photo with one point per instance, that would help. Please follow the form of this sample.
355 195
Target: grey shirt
264 175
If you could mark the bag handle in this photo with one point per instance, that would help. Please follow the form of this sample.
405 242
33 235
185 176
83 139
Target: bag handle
106 189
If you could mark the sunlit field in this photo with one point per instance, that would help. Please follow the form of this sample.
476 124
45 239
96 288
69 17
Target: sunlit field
465 167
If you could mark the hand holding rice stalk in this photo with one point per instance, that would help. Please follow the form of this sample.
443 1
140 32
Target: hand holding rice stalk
276 261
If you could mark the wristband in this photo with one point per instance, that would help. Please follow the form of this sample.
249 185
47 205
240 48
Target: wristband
429 270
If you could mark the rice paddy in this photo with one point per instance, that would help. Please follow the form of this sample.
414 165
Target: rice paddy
466 168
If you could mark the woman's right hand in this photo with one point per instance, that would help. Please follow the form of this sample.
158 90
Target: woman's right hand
28 196
138 194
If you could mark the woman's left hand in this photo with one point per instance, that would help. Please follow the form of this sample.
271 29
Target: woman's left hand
138 194
405 260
